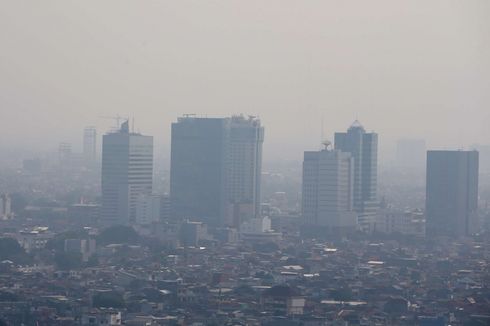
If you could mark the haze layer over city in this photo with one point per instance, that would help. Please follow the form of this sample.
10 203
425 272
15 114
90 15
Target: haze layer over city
245 163
416 69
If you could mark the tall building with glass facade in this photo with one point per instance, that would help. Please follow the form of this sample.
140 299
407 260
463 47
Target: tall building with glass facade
215 169
364 149
452 193
127 173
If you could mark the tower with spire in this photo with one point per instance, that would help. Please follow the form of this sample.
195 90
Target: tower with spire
363 147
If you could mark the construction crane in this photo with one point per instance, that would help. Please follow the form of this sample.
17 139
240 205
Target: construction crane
117 119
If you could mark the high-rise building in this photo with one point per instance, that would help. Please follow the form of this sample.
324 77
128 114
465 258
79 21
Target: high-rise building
197 169
452 193
89 144
127 173
244 169
364 149
215 169
328 189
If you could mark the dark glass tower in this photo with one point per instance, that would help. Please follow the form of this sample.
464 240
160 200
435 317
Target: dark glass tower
197 170
215 169
364 149
452 193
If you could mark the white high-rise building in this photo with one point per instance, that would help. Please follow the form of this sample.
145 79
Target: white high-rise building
363 147
328 183
127 173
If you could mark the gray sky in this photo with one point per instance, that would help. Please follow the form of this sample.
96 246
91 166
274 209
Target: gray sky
418 68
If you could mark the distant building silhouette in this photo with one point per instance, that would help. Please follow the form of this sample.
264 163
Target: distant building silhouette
127 173
89 144
328 184
215 169
364 149
452 193
64 153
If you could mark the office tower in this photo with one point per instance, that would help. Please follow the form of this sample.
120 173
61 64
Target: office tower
328 189
244 167
364 149
410 153
197 169
127 173
452 193
89 144
215 169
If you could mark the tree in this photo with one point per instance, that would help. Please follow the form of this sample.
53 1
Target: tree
68 260
118 234
11 250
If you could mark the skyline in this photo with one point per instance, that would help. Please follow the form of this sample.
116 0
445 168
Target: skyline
287 63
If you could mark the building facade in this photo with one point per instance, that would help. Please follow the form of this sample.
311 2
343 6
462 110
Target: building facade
364 149
328 190
215 169
452 193
89 144
127 173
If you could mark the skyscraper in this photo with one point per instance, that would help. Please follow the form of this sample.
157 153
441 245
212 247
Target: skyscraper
328 184
215 169
452 193
364 149
244 167
89 144
127 173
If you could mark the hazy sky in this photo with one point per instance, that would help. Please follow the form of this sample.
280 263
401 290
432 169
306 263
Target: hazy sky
418 68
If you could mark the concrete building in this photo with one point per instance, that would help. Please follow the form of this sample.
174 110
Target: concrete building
364 149
191 233
85 247
327 199
408 222
5 207
452 193
244 167
89 144
215 169
127 173
148 209
35 238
